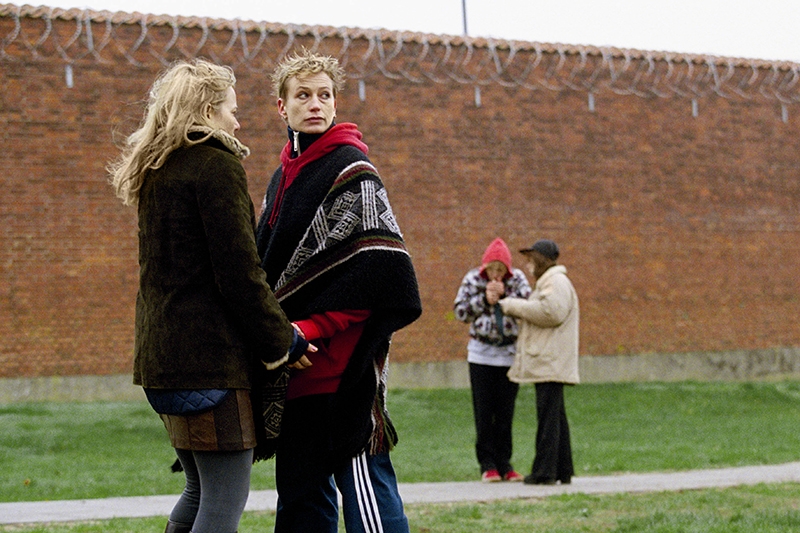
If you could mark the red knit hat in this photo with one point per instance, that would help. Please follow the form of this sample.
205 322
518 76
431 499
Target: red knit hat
497 251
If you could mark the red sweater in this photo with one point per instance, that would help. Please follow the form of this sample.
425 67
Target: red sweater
335 334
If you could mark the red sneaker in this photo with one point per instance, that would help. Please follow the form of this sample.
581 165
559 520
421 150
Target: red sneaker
490 476
513 476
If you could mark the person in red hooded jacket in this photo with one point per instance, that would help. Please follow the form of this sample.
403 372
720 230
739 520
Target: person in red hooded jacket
490 353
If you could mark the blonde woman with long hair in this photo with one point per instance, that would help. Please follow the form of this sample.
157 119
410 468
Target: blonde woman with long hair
205 316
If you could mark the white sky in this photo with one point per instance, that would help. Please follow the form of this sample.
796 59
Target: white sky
758 29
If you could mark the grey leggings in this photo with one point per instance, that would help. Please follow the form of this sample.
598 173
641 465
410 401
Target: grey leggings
217 486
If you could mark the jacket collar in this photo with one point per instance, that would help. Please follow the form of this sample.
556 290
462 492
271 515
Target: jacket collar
553 270
231 143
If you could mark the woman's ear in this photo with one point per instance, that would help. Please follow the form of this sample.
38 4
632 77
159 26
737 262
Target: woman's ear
282 110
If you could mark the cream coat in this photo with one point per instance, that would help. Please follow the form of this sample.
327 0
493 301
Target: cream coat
547 346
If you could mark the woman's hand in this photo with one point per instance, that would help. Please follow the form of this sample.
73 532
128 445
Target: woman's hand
304 362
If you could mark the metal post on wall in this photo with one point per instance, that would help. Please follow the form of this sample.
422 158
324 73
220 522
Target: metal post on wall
68 76
362 90
464 19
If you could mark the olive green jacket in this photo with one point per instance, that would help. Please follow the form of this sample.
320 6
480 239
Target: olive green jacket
204 312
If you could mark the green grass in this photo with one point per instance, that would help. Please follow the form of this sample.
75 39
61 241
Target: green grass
746 510
91 450
755 509
615 428
54 451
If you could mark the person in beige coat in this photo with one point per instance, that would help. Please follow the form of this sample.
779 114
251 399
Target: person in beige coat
547 355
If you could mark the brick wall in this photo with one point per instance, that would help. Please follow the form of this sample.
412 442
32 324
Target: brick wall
680 233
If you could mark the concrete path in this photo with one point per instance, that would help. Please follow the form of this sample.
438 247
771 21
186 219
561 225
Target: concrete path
264 500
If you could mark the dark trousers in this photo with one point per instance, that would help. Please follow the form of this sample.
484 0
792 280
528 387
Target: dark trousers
371 502
553 452
307 479
493 399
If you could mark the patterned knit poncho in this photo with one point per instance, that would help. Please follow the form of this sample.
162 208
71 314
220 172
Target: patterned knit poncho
338 247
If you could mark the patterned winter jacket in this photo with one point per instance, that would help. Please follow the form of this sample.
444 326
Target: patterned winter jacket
471 307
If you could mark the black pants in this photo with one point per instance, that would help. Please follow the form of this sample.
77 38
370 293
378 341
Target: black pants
553 452
307 478
493 398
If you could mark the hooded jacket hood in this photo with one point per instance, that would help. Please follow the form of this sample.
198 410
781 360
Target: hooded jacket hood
497 251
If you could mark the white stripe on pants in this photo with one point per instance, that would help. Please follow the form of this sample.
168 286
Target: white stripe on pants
367 504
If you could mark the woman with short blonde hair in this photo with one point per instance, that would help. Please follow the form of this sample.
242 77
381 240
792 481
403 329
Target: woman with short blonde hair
335 255
303 64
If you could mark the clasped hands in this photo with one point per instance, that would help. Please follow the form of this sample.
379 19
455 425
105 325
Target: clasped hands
495 290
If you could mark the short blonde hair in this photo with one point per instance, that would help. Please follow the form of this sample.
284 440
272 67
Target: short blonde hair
178 100
303 64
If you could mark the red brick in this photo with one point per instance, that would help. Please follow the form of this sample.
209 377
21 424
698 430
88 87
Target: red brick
679 232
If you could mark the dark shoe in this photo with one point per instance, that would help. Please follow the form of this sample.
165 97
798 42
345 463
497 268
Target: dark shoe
531 480
565 481
178 527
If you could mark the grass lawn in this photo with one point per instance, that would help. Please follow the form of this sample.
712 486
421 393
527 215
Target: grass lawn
615 428
92 450
756 509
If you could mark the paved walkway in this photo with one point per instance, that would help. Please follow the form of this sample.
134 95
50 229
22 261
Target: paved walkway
264 500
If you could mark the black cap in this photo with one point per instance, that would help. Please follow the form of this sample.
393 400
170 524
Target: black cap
546 247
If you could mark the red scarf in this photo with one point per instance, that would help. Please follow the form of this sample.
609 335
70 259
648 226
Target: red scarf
342 134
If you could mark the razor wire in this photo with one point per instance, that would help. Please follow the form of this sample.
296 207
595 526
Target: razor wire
40 33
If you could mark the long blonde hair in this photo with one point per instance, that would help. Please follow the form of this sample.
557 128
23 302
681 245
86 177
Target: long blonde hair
178 101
